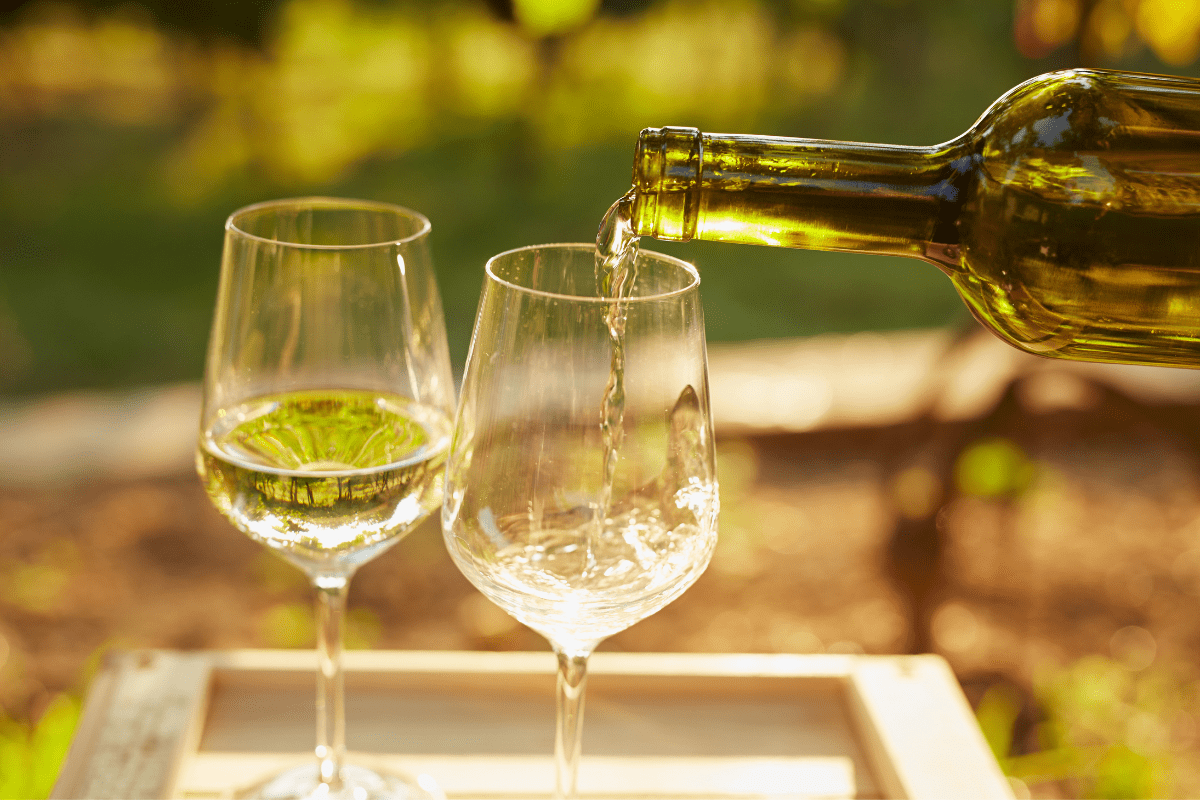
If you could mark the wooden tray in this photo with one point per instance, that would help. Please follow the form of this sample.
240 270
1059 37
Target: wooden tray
213 724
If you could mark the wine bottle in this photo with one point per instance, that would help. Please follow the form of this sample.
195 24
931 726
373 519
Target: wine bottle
1067 217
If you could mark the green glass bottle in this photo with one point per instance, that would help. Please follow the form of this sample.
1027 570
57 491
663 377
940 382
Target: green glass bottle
1068 216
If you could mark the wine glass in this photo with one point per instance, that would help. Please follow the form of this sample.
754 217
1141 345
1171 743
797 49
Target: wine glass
533 514
326 418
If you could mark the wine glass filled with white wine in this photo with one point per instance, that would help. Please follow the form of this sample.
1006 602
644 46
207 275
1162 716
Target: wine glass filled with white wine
581 491
326 418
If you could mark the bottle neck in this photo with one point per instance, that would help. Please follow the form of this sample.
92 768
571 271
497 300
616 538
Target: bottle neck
806 193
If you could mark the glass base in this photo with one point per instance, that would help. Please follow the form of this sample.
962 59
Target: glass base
358 783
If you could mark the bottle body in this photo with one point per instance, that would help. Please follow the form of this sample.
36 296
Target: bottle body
1067 217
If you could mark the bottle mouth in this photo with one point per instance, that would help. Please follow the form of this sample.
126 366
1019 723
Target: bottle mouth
666 179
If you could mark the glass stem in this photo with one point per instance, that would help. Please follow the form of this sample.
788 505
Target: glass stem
572 677
331 705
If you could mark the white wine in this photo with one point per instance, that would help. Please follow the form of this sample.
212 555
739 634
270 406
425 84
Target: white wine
571 584
1067 217
327 478
575 549
577 573
616 273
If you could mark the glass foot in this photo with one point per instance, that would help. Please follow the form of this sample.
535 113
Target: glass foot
358 783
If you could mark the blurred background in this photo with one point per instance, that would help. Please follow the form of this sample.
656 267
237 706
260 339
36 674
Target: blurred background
927 490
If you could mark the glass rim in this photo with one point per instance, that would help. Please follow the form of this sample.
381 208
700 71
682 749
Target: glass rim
323 202
690 269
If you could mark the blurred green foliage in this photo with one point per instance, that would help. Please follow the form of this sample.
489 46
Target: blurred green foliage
128 133
293 625
1109 728
31 754
997 713
993 468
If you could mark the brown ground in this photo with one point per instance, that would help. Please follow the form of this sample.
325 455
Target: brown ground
1089 543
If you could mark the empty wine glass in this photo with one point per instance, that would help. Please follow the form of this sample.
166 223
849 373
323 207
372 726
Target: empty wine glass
326 418
533 515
